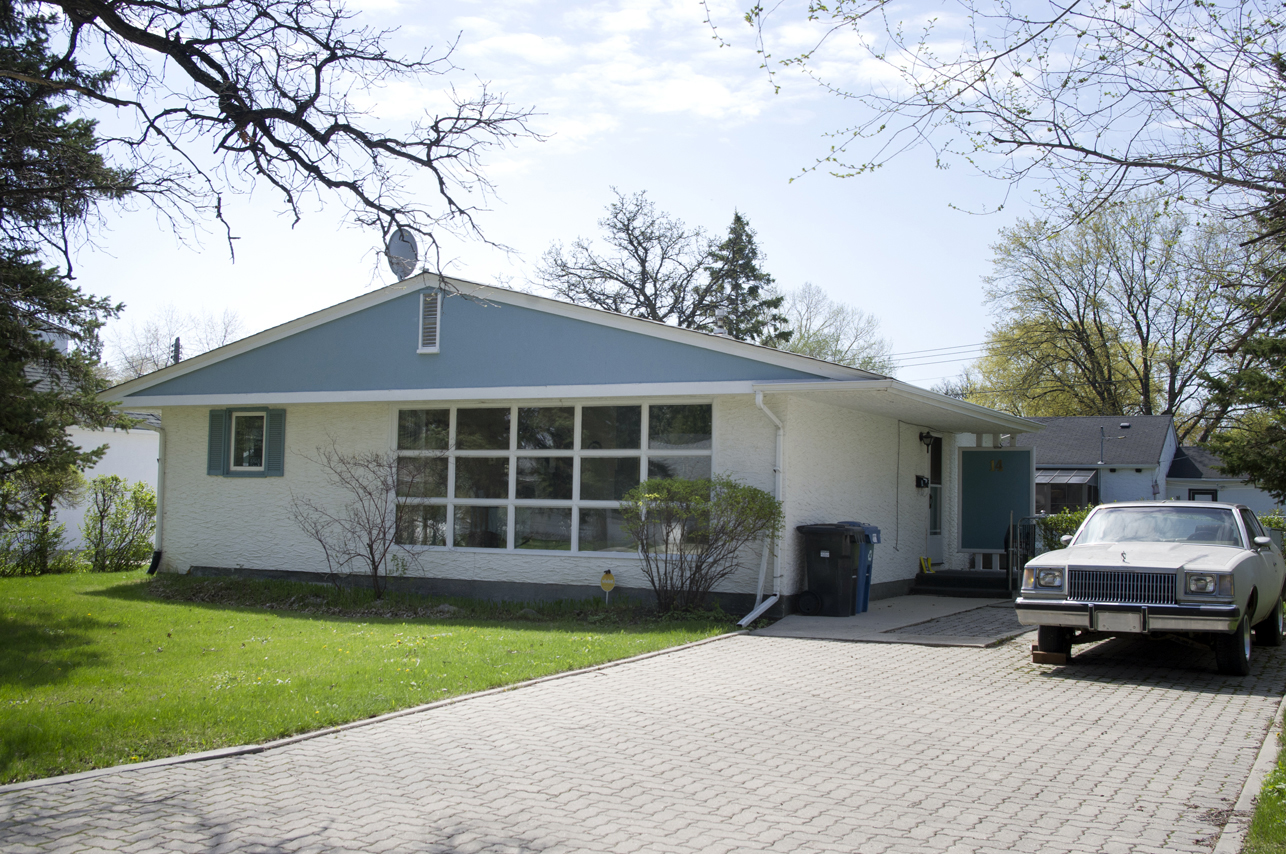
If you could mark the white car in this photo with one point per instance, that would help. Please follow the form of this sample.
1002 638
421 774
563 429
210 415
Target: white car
1204 570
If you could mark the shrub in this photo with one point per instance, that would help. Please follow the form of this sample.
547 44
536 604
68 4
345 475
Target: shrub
119 522
1056 525
690 533
1274 521
32 541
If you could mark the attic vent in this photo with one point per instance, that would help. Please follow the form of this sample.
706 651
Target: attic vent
1125 425
430 317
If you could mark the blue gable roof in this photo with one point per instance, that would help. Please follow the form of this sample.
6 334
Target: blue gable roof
484 344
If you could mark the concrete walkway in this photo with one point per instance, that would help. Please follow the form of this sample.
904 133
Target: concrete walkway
928 620
748 743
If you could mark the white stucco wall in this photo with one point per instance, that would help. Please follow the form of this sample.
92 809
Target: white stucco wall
844 465
1125 484
131 454
245 522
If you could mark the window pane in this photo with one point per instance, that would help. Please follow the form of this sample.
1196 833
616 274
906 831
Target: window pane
247 441
686 427
423 429
685 468
610 427
608 478
543 528
482 477
604 531
422 477
481 527
547 428
545 477
421 525
482 429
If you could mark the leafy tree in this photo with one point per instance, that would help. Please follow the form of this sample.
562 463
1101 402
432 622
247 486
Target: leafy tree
654 267
825 329
751 309
1124 313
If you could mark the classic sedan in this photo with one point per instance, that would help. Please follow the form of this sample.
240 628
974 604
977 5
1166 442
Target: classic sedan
1206 571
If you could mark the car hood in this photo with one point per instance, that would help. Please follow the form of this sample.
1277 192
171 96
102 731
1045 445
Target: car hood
1143 556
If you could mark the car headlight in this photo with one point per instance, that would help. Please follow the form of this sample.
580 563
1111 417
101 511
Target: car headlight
1040 577
1209 583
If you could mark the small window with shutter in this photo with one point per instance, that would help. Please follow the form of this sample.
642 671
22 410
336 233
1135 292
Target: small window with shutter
247 443
430 321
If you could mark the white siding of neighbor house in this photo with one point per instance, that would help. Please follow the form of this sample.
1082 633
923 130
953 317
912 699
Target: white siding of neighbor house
245 522
1232 491
843 465
131 454
1125 484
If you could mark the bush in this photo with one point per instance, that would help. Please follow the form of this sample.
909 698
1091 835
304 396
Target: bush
32 542
119 523
1058 524
1274 521
690 533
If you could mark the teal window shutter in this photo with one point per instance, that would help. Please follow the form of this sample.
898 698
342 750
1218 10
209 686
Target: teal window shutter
218 443
274 457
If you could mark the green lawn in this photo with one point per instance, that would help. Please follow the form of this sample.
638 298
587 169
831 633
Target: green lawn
97 670
1268 829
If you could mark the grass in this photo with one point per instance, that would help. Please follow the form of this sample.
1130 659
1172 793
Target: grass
1268 827
101 670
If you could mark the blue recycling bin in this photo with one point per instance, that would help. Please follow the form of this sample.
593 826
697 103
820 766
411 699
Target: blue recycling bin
865 538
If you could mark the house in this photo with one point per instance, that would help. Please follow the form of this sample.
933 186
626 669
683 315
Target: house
1196 475
1087 460
552 411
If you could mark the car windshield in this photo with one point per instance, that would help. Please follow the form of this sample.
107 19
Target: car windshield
1214 526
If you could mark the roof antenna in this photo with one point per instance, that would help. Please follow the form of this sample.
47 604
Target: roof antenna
403 253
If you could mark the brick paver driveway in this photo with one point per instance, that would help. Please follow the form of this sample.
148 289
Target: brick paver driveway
744 744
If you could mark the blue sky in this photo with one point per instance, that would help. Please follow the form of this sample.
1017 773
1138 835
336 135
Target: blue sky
636 95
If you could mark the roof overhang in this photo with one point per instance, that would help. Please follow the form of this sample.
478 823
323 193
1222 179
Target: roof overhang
894 399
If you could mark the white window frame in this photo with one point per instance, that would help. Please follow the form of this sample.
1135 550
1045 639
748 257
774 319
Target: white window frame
576 454
232 440
437 332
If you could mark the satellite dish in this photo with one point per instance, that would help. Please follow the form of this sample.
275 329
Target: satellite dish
403 253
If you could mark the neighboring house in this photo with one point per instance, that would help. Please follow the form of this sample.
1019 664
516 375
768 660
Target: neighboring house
1195 476
1086 460
554 411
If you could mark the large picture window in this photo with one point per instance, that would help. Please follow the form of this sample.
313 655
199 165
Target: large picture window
542 478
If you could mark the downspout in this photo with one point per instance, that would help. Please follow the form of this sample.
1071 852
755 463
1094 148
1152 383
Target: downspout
761 604
160 502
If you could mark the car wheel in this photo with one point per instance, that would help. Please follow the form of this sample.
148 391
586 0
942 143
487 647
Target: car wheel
809 603
1054 639
1232 652
1270 631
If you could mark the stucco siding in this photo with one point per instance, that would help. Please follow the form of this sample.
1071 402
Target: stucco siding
1128 485
246 522
844 465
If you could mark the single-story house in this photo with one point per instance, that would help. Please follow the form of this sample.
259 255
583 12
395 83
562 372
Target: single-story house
531 418
1086 460
1196 475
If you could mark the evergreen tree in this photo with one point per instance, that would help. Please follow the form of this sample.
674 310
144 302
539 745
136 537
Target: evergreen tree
51 178
744 290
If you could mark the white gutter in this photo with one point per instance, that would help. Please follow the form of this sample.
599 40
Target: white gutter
157 542
761 604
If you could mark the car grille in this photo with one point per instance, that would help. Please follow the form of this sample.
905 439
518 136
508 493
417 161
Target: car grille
1136 588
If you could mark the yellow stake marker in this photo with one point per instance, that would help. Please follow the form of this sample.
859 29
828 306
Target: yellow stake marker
607 582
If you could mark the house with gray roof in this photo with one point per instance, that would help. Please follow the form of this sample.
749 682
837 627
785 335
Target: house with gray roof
531 418
1197 475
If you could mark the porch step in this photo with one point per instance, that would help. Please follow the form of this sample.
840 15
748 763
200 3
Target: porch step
980 583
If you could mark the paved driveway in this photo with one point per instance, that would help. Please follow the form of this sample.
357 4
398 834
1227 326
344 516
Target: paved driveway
743 744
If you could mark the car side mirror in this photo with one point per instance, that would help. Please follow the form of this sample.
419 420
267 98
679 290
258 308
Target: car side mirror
1066 539
1263 542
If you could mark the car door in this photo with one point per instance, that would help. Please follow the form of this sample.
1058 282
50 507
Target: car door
1273 565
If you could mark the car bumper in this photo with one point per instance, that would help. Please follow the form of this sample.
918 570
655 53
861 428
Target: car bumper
1128 618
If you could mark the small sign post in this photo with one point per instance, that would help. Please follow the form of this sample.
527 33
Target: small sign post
607 582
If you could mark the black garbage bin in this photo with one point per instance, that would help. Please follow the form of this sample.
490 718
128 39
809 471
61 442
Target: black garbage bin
837 568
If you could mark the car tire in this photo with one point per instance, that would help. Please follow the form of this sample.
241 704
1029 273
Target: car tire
809 603
1232 651
1270 631
1054 639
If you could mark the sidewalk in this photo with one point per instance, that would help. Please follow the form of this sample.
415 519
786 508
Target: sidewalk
924 620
